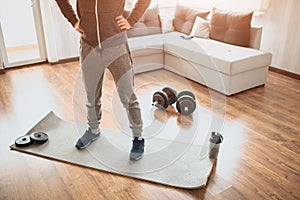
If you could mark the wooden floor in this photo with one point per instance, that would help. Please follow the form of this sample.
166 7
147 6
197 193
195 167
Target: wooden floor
265 164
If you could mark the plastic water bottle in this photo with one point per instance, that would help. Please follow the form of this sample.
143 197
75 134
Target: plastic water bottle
214 144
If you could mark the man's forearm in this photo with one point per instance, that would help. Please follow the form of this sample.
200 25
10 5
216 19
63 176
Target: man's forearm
67 10
138 11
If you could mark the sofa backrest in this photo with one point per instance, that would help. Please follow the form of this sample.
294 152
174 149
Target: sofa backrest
255 37
152 23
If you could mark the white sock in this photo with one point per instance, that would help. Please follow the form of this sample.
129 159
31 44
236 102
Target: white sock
95 131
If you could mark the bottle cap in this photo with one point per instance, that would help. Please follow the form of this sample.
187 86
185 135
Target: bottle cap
216 138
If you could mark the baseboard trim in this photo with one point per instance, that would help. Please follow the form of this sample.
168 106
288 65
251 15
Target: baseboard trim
286 73
2 71
62 61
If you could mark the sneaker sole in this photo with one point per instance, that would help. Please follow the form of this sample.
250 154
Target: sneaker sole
135 159
83 147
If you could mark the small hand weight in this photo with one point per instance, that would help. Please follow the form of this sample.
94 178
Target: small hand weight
186 102
39 137
162 99
36 137
23 141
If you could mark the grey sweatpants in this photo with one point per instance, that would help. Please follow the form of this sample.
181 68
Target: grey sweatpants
93 62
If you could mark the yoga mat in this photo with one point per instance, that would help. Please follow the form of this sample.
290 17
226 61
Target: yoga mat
180 162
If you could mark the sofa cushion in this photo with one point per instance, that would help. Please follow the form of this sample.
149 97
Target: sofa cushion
200 28
146 45
184 18
148 24
226 58
166 23
231 27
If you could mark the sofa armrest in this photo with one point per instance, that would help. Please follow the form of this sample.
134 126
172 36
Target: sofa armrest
255 37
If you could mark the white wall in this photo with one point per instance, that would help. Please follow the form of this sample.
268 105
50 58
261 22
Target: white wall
281 33
1 61
62 41
66 38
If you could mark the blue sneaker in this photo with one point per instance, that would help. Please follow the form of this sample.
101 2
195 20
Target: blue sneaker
137 150
87 138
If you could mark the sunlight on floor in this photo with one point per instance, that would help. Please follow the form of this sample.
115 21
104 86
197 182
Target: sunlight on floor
22 53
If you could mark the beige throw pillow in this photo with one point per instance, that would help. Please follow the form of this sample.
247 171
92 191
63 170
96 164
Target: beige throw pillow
148 24
231 27
200 28
166 23
185 17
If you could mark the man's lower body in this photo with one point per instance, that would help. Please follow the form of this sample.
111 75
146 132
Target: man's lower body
117 60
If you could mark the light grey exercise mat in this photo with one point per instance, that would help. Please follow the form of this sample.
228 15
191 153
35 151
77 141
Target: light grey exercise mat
175 162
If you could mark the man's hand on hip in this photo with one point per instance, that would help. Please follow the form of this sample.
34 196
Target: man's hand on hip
123 23
78 29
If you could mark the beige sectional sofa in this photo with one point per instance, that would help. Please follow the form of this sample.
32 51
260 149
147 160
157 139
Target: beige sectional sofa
224 67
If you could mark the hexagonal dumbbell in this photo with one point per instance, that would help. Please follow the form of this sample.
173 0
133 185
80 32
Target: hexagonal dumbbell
186 102
162 99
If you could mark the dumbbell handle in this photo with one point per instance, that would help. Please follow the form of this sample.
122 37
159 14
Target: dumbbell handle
186 109
154 103
158 105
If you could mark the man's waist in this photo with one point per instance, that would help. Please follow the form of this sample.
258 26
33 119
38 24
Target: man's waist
106 42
